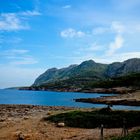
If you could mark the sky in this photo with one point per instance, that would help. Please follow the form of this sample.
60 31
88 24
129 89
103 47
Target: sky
36 35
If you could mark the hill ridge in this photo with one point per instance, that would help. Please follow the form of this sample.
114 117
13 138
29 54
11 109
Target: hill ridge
89 70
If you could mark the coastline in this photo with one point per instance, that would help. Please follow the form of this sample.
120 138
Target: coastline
128 99
116 90
126 96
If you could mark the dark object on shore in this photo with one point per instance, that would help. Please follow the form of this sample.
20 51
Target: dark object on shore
124 130
102 132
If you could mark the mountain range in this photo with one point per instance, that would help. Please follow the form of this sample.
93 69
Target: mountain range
87 72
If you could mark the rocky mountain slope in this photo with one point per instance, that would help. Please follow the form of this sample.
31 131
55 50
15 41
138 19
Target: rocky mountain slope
87 71
126 67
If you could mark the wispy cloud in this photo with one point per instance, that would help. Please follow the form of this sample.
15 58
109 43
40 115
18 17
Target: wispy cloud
71 33
115 26
27 60
66 6
18 57
14 21
117 44
17 51
10 40
11 22
119 29
30 13
13 52
88 43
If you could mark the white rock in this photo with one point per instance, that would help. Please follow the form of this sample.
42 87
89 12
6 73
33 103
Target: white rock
61 124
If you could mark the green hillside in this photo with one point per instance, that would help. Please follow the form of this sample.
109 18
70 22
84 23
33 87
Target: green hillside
90 74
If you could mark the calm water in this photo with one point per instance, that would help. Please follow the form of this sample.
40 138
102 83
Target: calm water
52 98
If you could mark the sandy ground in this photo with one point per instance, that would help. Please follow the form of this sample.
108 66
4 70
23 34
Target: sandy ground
24 122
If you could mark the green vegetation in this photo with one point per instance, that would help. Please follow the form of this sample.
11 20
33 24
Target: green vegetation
93 119
133 136
88 83
130 80
87 69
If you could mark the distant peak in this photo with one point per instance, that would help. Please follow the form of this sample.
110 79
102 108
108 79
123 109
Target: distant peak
132 59
52 69
90 62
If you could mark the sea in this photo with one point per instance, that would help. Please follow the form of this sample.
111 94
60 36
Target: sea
51 98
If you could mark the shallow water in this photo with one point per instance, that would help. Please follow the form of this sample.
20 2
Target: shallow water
50 98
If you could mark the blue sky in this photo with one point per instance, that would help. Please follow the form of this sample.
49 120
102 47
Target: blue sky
39 34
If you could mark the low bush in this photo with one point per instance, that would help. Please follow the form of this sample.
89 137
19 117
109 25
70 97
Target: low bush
93 119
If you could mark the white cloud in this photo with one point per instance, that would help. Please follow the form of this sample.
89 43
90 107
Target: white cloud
117 44
11 22
71 33
13 52
66 6
30 13
115 26
14 21
17 51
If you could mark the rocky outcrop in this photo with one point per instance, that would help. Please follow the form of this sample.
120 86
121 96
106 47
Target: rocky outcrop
129 102
120 69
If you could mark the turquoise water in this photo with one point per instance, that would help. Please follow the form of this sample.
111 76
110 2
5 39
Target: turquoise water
50 98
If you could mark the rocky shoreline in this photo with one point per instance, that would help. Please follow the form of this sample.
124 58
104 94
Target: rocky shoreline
116 90
129 99
25 110
24 122
127 102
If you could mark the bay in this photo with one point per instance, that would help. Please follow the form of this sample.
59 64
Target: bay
50 98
